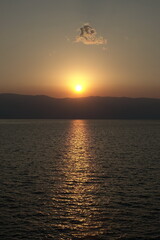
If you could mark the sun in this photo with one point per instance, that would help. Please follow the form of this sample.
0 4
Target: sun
78 83
78 88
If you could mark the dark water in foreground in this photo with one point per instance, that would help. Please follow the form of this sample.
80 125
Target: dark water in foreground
79 179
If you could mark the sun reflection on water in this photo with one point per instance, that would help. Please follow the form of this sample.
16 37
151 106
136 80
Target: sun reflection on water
77 203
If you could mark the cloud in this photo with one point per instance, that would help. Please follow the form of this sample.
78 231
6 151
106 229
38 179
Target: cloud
88 36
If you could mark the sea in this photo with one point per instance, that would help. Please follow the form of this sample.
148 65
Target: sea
79 179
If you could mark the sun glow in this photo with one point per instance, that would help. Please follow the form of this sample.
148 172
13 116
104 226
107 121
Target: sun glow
78 83
78 88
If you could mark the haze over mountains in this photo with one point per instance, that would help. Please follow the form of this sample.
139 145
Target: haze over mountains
27 106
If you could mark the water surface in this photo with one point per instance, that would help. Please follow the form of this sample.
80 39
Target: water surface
79 179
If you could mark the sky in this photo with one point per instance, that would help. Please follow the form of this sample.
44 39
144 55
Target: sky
109 47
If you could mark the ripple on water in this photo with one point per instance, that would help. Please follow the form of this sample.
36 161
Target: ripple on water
79 179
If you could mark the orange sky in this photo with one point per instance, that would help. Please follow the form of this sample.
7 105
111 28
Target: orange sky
111 48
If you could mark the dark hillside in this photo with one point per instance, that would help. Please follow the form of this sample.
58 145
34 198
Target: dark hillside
26 106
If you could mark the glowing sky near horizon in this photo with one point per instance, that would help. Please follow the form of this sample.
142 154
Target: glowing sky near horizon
111 47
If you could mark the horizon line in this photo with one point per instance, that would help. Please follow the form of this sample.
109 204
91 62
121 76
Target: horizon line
43 95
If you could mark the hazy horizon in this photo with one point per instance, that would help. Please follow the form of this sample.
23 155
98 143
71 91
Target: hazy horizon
74 97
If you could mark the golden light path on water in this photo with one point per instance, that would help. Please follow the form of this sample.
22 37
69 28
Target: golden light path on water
77 198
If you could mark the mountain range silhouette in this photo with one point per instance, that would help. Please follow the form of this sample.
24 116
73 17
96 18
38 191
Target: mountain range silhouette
16 106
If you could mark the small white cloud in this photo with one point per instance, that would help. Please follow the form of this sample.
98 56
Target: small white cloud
88 36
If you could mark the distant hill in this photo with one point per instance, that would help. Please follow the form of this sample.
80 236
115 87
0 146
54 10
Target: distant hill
26 106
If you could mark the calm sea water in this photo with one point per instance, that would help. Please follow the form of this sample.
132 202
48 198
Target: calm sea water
79 179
